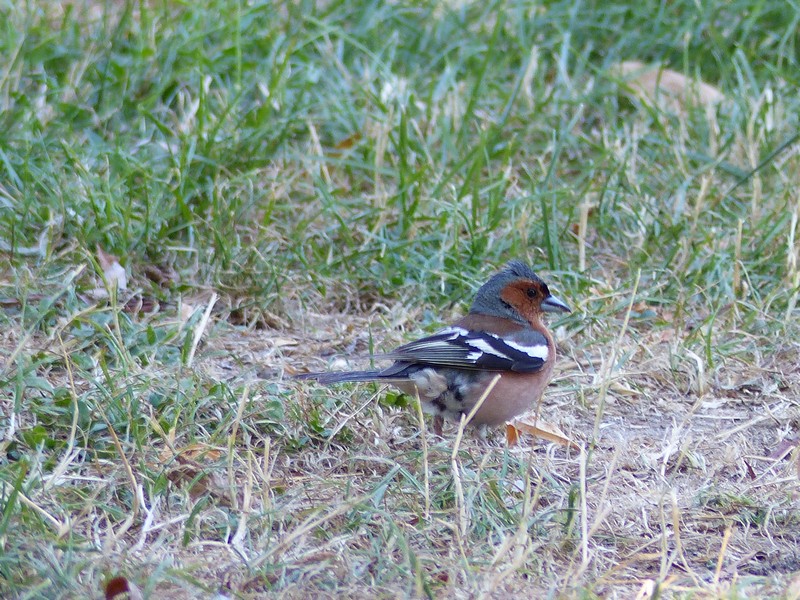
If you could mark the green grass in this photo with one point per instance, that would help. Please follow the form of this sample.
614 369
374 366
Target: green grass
344 175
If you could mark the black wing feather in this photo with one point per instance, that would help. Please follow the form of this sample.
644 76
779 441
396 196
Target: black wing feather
522 352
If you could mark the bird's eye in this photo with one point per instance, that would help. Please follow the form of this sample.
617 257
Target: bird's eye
532 293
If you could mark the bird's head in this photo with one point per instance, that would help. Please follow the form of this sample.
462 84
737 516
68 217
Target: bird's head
516 293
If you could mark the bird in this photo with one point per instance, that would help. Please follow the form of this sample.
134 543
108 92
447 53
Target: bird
451 370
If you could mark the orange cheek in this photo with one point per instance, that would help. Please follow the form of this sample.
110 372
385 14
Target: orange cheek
516 297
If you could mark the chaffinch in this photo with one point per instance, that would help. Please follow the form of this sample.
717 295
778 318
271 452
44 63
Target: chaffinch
503 334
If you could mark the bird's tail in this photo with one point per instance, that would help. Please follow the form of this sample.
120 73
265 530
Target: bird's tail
341 376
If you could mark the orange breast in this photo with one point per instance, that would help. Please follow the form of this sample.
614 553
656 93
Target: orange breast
513 395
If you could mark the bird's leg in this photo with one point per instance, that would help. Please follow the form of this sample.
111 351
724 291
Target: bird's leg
438 424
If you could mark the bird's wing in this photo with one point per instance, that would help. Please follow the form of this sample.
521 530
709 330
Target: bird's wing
523 351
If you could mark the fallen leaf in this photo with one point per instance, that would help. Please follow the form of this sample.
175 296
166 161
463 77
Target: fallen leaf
119 588
653 83
282 342
292 371
112 270
619 388
193 452
345 144
512 435
186 311
538 428
189 466
349 141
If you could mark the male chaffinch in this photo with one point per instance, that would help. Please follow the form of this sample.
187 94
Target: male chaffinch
503 334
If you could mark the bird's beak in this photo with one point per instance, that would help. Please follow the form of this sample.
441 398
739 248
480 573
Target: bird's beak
553 304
